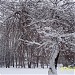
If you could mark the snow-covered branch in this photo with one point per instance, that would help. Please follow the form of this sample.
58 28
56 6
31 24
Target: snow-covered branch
29 42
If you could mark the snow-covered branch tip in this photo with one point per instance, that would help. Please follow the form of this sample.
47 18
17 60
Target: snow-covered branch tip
29 42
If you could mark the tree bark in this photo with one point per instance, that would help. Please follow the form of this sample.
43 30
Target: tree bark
54 54
16 61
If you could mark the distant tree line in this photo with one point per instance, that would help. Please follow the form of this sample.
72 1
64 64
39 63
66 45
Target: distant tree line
30 28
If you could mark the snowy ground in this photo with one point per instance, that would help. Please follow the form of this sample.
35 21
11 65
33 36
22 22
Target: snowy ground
20 71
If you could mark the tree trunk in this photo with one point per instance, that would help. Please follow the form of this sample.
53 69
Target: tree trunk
54 54
19 61
16 62
12 61
47 65
37 61
23 63
29 64
56 60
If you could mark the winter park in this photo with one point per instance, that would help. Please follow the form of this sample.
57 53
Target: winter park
37 37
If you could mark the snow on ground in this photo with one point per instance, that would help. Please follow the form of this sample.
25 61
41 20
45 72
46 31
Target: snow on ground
65 71
22 71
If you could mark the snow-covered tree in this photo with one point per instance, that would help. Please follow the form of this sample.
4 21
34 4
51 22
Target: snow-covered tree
36 27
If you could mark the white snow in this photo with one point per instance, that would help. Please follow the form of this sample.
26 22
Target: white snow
22 71
29 42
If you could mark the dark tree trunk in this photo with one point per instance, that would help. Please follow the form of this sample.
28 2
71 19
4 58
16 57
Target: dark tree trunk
56 60
16 62
19 62
37 61
7 60
13 61
47 65
23 64
29 64
23 61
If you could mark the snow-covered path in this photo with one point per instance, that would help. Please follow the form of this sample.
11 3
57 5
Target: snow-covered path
19 71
